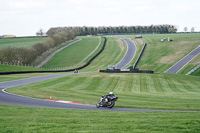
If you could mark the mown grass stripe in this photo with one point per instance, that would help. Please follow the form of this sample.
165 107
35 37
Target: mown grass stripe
180 85
172 84
157 84
150 84
143 84
165 85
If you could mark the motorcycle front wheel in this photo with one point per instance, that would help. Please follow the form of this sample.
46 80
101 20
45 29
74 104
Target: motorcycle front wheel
111 104
97 105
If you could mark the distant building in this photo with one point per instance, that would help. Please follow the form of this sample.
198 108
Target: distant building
8 36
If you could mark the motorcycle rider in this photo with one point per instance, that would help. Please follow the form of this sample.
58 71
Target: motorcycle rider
103 98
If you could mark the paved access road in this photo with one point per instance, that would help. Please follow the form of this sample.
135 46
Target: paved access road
131 49
180 64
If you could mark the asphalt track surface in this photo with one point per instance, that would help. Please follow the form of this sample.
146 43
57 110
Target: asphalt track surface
180 64
131 49
12 99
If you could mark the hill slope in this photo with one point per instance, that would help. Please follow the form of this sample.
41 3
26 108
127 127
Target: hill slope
159 56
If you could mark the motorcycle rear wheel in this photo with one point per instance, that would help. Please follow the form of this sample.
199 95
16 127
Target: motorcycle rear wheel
111 104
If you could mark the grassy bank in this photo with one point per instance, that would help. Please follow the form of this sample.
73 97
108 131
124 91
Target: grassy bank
159 56
10 77
144 91
13 68
26 119
19 42
73 55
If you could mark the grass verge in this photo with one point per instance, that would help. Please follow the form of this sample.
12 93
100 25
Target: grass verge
27 119
13 68
74 54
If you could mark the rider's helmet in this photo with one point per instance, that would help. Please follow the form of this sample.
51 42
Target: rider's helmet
110 93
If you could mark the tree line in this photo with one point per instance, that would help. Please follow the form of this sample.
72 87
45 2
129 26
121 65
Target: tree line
19 56
82 31
58 35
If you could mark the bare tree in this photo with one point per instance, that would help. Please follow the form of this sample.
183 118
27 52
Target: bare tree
40 33
192 29
185 29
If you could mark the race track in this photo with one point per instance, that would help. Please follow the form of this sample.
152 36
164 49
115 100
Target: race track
12 99
131 49
180 64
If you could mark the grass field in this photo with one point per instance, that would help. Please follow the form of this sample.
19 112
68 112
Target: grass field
159 56
74 55
13 68
19 42
143 91
27 119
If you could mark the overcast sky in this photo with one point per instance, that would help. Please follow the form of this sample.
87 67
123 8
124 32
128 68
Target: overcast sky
26 17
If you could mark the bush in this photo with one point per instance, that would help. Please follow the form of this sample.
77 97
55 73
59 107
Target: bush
28 55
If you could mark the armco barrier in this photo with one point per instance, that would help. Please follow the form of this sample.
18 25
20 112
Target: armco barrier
78 68
138 59
128 71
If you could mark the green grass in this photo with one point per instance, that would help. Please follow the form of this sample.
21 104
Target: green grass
143 91
113 53
19 42
196 73
159 56
13 68
10 77
73 55
27 119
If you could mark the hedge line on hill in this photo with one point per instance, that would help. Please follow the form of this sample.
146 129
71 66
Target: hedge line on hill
19 56
116 29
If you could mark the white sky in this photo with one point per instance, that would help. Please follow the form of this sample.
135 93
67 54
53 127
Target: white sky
26 17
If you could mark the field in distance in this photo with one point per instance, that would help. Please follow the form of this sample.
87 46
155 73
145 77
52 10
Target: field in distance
19 42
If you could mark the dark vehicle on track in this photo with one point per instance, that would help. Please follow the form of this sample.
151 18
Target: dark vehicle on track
107 101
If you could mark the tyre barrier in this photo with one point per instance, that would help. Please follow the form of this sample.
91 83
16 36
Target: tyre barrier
68 70
126 71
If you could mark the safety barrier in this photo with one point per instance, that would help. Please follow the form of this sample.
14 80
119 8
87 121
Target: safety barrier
194 69
138 59
128 71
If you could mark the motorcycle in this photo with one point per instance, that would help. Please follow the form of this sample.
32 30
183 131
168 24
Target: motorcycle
76 71
107 102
